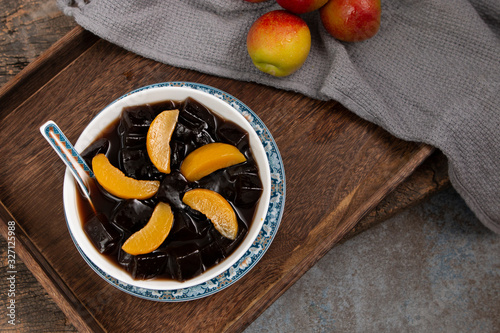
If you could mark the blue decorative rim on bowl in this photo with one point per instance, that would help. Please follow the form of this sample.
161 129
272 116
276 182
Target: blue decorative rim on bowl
265 236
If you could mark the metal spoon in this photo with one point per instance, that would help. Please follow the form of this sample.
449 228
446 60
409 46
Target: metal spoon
68 154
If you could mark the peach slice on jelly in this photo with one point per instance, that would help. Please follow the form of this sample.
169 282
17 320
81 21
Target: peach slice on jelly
215 208
158 139
115 182
152 235
209 158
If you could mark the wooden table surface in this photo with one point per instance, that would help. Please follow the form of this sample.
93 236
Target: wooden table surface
29 27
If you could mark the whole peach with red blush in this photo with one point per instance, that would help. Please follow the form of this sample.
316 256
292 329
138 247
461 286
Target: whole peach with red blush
301 6
351 20
279 42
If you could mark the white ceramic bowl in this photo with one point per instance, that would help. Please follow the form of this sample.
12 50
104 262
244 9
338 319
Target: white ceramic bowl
151 94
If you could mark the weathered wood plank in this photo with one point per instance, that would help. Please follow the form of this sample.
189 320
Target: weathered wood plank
27 28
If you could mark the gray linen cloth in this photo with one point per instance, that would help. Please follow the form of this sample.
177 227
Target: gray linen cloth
431 74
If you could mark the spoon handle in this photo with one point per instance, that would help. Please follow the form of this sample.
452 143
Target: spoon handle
58 141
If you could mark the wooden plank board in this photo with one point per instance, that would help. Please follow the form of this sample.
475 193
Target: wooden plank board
22 246
338 167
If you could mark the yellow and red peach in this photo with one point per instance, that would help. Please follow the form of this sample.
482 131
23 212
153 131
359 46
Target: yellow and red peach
279 42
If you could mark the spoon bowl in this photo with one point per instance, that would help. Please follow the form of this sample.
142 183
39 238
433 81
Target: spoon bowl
68 154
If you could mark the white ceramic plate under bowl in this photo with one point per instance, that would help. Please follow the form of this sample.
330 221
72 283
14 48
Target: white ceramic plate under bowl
263 228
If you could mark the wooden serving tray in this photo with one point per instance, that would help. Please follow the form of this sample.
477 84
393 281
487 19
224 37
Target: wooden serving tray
338 167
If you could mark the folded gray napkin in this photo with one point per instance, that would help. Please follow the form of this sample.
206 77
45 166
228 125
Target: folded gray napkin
431 74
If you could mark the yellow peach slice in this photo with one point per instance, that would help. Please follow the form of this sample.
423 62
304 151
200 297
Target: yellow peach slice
115 182
209 158
158 139
150 237
215 208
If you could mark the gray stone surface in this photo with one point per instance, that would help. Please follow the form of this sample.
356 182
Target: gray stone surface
432 268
